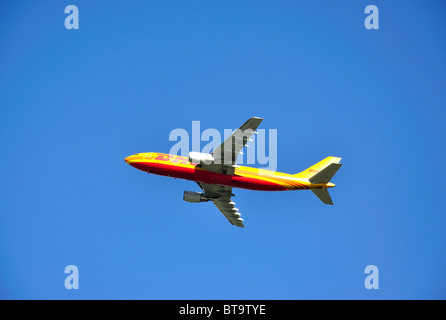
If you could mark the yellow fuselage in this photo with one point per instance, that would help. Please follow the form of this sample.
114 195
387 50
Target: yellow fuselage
243 177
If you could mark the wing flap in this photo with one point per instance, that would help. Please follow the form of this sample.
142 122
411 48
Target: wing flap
221 197
229 211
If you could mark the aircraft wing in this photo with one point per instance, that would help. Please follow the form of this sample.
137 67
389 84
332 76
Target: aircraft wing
225 156
221 197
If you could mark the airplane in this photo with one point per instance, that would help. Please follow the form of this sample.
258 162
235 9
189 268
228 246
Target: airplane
217 174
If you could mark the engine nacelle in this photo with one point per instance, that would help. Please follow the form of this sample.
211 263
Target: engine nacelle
200 158
191 196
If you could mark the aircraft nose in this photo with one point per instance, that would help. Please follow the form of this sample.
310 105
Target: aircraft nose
128 159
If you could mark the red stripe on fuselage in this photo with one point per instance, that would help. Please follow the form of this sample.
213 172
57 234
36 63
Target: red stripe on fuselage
205 176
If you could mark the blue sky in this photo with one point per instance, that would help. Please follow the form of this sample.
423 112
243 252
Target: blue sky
75 103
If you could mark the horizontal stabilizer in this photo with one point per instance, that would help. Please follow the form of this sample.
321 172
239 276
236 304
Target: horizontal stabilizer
323 195
325 175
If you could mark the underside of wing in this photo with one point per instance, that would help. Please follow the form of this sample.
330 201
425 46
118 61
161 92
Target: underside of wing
221 197
226 206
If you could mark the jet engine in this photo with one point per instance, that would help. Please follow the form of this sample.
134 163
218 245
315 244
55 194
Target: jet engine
200 158
191 196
